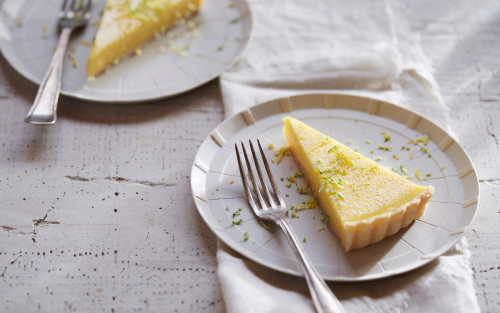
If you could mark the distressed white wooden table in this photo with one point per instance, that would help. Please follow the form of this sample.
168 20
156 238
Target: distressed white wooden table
96 211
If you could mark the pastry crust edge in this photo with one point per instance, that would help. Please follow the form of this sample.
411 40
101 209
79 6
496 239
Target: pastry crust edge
360 234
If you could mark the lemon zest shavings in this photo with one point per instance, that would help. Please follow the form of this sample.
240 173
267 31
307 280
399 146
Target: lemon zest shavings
72 58
384 148
280 153
386 136
84 43
179 50
264 225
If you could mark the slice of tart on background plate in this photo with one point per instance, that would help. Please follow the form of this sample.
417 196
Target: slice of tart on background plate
127 24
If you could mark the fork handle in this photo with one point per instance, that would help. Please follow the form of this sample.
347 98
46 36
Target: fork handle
43 110
323 298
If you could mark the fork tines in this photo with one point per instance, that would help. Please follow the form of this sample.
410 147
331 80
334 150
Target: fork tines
270 201
75 6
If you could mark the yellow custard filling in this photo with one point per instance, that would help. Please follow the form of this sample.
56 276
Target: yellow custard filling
350 187
127 24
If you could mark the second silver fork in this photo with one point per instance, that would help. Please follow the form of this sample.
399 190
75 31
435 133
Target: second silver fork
43 110
323 298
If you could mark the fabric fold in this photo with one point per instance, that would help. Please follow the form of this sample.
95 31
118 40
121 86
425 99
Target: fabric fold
356 47
444 285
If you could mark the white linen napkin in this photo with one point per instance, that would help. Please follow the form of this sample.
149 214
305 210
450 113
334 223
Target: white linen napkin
358 47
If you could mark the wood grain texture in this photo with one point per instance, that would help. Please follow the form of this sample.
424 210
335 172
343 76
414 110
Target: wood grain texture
97 212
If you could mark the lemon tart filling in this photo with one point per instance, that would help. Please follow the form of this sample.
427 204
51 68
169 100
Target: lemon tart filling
127 24
366 202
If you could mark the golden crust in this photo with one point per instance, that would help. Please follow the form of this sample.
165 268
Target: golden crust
359 234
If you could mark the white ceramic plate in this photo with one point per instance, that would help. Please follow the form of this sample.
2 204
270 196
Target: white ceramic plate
225 27
343 117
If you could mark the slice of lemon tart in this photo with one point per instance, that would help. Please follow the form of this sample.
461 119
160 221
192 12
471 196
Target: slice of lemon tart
365 201
127 24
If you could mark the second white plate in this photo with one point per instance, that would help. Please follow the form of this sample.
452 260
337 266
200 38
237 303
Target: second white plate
218 191
224 30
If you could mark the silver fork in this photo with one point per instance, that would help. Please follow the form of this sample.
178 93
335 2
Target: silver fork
323 298
43 111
